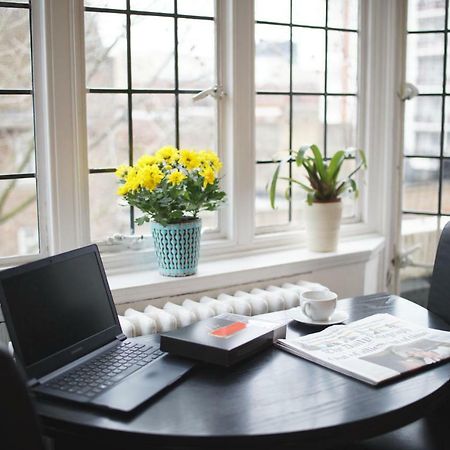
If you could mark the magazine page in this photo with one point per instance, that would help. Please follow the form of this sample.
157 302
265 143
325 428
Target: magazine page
373 349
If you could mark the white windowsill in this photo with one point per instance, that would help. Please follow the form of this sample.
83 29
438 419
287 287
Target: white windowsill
240 269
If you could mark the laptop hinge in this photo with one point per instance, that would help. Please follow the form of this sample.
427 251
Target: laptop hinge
121 337
33 382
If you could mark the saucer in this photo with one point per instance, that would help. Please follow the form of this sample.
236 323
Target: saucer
337 317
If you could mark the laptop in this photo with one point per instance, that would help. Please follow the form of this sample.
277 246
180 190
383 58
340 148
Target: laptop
64 328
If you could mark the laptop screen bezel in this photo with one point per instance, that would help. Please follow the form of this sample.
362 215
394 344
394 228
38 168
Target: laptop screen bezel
62 357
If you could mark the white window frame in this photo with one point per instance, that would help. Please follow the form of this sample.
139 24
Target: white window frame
61 137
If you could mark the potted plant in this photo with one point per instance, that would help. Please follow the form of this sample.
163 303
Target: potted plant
324 190
171 187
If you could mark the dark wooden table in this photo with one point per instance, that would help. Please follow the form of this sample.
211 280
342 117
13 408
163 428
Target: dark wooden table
273 400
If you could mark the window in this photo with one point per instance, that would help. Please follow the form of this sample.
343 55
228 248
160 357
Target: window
18 192
306 90
144 63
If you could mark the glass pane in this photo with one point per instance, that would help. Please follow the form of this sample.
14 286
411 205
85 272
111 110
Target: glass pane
18 217
348 200
108 213
107 4
341 123
447 127
426 15
271 11
422 132
445 195
424 61
197 123
16 134
272 54
164 6
307 124
272 125
15 49
265 215
308 73
106 50
152 52
153 122
107 120
343 14
196 8
306 12
196 53
342 62
420 184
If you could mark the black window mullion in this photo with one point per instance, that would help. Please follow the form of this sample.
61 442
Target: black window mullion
177 81
291 103
325 99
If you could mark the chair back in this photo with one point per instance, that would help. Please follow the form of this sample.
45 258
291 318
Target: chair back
439 297
19 427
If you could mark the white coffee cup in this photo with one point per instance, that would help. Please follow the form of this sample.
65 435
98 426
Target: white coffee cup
318 305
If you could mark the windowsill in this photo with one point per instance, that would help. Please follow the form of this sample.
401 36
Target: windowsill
247 267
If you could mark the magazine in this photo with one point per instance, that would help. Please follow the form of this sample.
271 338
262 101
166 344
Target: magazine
374 349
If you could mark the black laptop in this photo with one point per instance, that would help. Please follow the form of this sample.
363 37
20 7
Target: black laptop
65 332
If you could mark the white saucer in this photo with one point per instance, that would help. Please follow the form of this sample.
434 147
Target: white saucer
337 317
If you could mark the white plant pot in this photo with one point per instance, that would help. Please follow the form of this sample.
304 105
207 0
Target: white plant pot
323 221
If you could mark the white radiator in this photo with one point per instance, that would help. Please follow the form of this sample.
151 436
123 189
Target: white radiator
171 316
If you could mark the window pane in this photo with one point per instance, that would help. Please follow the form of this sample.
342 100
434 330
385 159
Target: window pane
107 119
445 195
341 123
164 6
153 122
342 62
264 10
16 134
420 184
447 128
106 214
197 123
265 215
18 217
422 132
308 116
306 12
196 8
15 49
343 14
272 125
152 52
424 61
272 58
109 4
196 54
426 15
308 58
106 50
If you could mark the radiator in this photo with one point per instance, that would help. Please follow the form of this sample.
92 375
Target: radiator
257 301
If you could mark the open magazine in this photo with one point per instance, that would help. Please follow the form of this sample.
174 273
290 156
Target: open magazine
374 349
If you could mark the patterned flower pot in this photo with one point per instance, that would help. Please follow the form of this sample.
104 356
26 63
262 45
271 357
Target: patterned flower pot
177 247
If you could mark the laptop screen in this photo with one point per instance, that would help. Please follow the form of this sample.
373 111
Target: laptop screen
56 305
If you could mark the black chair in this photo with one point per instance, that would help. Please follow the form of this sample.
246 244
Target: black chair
431 432
19 426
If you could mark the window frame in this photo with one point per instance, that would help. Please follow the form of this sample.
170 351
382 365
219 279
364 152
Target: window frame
61 136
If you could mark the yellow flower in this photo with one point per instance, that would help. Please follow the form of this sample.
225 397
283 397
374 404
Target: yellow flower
189 159
167 154
122 171
146 160
149 177
123 190
210 158
176 177
208 176
132 179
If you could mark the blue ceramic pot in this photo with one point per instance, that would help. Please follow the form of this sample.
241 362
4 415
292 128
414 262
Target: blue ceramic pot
177 247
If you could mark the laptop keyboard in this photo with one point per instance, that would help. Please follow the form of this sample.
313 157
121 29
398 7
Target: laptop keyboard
106 370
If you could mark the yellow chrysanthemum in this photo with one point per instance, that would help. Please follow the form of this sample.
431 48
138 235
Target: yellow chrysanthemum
146 160
150 177
122 171
176 177
132 179
189 159
210 158
208 176
124 189
167 154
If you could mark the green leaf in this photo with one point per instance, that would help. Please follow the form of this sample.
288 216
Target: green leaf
319 162
303 186
273 186
310 198
335 165
363 158
300 157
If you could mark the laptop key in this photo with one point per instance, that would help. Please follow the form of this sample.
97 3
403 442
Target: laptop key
125 373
